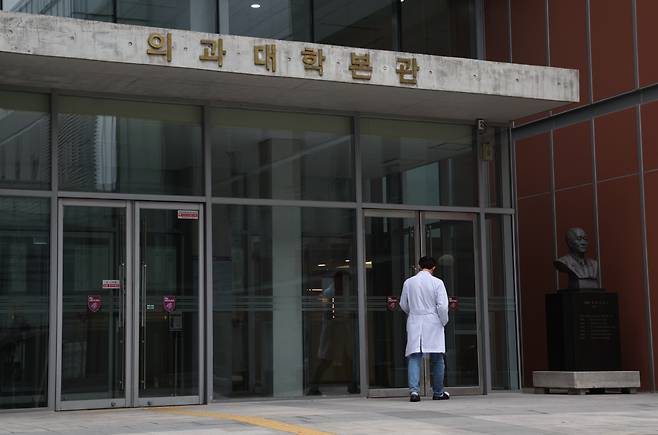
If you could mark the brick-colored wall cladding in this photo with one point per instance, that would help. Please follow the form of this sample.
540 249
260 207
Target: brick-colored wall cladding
604 172
568 42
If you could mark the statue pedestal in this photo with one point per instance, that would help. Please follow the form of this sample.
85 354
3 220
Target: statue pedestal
585 382
583 331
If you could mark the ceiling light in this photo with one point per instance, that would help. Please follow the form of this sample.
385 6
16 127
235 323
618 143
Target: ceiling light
255 5
322 265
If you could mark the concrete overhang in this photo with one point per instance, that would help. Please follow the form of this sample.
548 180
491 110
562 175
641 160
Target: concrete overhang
65 54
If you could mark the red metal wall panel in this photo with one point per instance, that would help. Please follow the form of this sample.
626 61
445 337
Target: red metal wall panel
616 144
529 39
651 207
611 24
533 165
537 278
647 35
529 32
567 21
650 135
620 238
574 208
496 25
572 147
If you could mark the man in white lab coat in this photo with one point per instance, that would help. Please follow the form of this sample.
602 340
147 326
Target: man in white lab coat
425 301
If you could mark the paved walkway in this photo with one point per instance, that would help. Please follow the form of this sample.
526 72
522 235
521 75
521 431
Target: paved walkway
503 413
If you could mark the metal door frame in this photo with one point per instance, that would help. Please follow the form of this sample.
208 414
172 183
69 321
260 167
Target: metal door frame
126 401
420 217
131 340
168 400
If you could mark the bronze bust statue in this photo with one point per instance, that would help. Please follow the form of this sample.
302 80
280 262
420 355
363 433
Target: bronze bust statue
583 272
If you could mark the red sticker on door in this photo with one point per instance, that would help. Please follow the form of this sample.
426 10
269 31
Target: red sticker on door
169 303
94 303
188 214
392 302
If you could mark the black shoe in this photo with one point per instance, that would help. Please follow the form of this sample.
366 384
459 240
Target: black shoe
443 396
414 397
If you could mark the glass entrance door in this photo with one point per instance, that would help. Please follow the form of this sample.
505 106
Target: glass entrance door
448 238
168 267
394 242
129 298
93 282
392 247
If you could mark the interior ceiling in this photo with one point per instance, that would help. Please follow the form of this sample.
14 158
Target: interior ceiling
245 89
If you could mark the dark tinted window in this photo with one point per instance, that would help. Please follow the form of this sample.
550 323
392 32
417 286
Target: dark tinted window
24 280
439 27
24 141
199 15
276 19
363 23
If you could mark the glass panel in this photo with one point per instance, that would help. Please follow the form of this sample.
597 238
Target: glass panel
24 141
496 167
282 155
451 244
276 19
502 303
119 146
390 259
198 15
94 305
169 304
24 279
98 10
363 23
439 27
424 163
285 309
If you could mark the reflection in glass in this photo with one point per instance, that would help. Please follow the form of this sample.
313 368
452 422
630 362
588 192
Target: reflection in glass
24 141
285 321
24 279
406 162
438 27
98 10
130 147
390 259
496 168
197 15
363 23
281 155
451 244
94 303
169 304
502 303
275 19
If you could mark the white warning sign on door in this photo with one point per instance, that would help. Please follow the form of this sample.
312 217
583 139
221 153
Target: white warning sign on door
111 284
188 214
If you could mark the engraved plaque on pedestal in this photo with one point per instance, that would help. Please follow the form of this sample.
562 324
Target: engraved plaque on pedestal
583 331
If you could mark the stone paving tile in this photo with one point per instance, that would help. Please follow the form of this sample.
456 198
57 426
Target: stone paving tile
508 414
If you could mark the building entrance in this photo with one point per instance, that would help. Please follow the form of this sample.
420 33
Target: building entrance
395 240
130 285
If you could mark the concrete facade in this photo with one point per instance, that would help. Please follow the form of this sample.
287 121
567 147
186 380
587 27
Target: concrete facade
98 56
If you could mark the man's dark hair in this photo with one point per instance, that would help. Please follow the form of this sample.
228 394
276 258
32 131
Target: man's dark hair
427 263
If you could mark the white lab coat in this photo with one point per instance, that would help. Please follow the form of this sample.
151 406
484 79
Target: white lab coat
425 301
